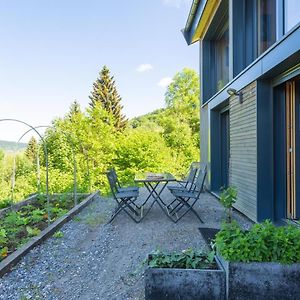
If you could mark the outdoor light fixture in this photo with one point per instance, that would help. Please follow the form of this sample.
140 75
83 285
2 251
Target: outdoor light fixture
233 92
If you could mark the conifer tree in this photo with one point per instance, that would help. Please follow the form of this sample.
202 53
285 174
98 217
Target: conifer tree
74 110
105 93
31 150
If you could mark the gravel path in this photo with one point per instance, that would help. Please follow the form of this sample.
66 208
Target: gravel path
97 261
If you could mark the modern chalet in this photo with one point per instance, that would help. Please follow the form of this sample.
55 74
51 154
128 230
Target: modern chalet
250 99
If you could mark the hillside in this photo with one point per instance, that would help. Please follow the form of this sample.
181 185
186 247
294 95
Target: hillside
12 146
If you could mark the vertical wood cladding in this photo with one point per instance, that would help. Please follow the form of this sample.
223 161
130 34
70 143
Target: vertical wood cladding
243 150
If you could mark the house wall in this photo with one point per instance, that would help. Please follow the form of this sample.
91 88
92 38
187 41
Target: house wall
243 150
205 143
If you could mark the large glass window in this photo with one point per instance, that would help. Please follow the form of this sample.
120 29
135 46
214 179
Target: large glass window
266 24
222 58
291 14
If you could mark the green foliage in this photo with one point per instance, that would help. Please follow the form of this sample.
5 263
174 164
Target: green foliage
37 215
58 235
3 237
187 259
17 227
165 140
6 203
32 231
31 151
140 150
263 243
105 93
228 198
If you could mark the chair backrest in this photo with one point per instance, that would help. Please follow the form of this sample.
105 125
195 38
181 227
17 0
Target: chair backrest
114 174
190 179
112 182
199 182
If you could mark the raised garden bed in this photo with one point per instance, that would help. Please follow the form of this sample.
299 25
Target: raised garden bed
261 280
262 263
184 276
27 227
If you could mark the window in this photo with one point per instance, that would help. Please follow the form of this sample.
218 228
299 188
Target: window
291 14
215 55
222 58
266 24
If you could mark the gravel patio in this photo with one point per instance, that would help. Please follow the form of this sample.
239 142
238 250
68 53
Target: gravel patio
97 261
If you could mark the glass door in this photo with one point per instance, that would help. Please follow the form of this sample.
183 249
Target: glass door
292 112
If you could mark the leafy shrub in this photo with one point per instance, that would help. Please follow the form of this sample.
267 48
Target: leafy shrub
37 215
263 243
58 235
187 259
6 203
32 231
3 236
228 198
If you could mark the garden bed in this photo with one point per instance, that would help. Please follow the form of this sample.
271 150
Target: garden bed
262 263
188 275
261 280
23 229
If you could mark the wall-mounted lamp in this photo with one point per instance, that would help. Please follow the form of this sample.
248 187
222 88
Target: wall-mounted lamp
233 92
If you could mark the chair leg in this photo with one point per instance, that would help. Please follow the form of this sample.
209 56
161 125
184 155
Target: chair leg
189 208
122 206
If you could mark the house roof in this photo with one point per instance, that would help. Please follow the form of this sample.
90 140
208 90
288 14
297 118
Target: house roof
199 18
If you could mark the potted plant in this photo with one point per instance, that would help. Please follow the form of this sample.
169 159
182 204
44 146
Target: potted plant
184 275
262 263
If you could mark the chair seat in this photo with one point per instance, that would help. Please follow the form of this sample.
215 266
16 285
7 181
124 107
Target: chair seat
129 188
127 194
186 194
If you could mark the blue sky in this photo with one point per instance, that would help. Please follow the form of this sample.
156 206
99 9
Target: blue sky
52 51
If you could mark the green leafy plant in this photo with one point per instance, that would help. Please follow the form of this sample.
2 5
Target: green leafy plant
58 235
187 259
6 203
228 198
3 236
37 215
4 252
18 227
33 231
263 243
15 219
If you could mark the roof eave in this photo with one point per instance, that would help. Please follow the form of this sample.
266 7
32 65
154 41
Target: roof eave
199 19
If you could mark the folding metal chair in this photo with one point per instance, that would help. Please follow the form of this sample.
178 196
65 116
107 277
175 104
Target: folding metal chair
125 200
188 184
118 185
185 200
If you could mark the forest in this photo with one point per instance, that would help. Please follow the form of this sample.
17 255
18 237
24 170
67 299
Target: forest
100 136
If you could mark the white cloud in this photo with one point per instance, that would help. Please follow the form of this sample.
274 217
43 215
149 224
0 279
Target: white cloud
164 82
176 3
144 68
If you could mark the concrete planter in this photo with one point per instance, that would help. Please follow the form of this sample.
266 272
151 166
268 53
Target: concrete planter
184 284
261 280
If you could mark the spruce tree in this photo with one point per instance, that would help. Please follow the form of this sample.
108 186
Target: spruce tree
31 150
74 110
105 93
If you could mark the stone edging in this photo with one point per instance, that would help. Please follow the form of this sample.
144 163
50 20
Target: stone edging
14 258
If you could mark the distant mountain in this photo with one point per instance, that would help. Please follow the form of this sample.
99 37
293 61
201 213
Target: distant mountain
12 146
